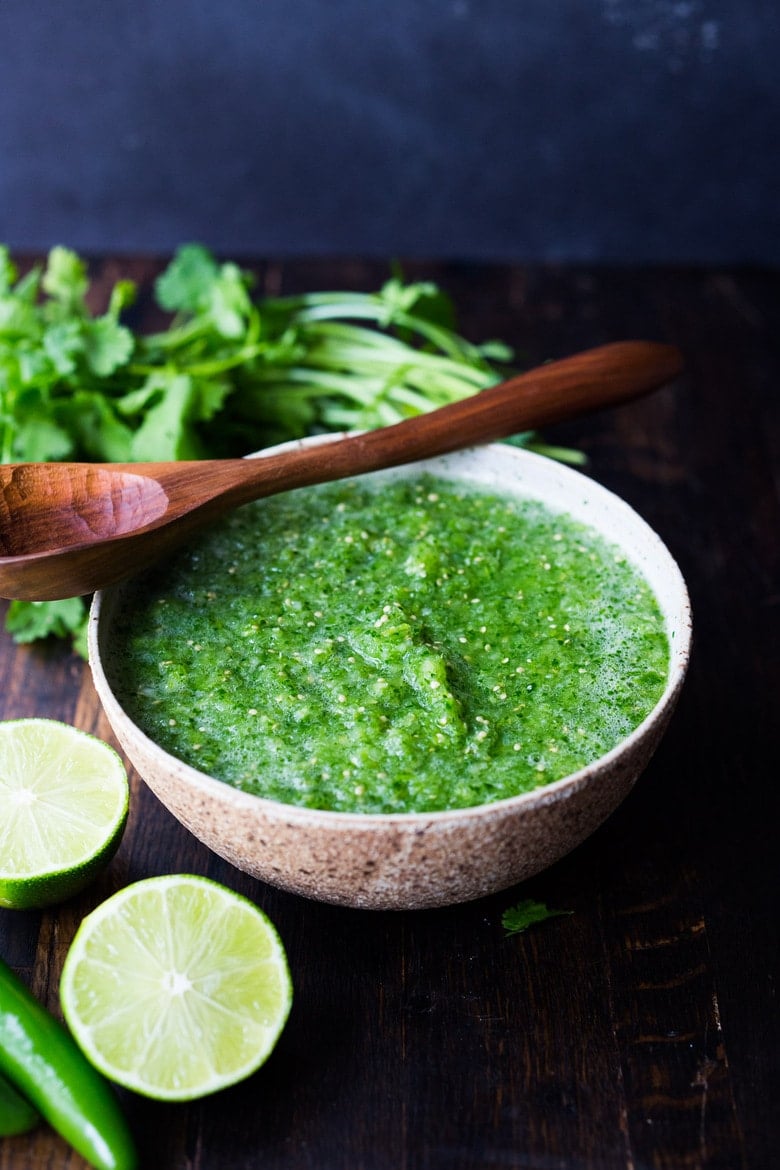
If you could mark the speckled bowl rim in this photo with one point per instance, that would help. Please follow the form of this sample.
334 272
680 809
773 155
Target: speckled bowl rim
656 564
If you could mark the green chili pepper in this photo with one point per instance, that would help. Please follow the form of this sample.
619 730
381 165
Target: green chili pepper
43 1061
16 1114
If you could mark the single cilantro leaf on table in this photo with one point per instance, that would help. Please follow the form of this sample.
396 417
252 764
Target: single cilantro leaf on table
518 918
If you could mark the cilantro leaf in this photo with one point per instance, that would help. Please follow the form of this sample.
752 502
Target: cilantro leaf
39 438
230 304
63 342
65 280
518 918
107 345
167 430
30 620
194 284
92 422
423 299
186 284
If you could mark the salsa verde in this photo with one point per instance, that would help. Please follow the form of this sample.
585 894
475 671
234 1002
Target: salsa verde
390 646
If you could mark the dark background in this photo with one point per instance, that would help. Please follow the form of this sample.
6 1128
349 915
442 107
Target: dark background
617 131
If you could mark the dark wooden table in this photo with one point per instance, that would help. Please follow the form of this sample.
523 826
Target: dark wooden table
641 1031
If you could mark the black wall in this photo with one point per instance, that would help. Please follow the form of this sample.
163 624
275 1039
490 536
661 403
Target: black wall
572 130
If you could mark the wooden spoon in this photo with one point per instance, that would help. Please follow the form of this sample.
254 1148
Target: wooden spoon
67 529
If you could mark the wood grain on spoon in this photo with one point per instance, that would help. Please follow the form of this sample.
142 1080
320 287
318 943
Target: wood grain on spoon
67 529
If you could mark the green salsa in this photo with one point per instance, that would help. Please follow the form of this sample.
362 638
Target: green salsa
391 645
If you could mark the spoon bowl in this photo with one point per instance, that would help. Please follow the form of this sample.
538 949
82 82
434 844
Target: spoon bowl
68 529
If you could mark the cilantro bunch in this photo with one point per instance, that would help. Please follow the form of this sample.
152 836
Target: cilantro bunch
231 373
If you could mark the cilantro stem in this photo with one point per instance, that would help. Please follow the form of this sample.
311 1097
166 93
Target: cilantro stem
204 369
323 306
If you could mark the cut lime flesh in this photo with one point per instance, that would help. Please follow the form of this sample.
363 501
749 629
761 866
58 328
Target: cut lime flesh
63 807
176 987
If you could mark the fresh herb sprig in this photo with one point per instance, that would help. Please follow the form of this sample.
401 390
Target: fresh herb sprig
231 373
516 919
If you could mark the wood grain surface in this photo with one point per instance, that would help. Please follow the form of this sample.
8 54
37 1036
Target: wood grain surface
639 1032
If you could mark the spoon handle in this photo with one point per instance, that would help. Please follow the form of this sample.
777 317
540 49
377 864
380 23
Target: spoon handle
565 389
68 529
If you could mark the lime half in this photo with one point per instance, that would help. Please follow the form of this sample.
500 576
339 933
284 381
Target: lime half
176 987
63 807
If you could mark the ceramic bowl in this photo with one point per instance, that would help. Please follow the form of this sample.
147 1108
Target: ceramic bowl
415 860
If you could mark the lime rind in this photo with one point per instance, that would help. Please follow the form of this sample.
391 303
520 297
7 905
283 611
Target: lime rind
176 987
64 800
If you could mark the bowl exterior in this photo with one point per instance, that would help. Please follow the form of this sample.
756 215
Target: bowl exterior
418 861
